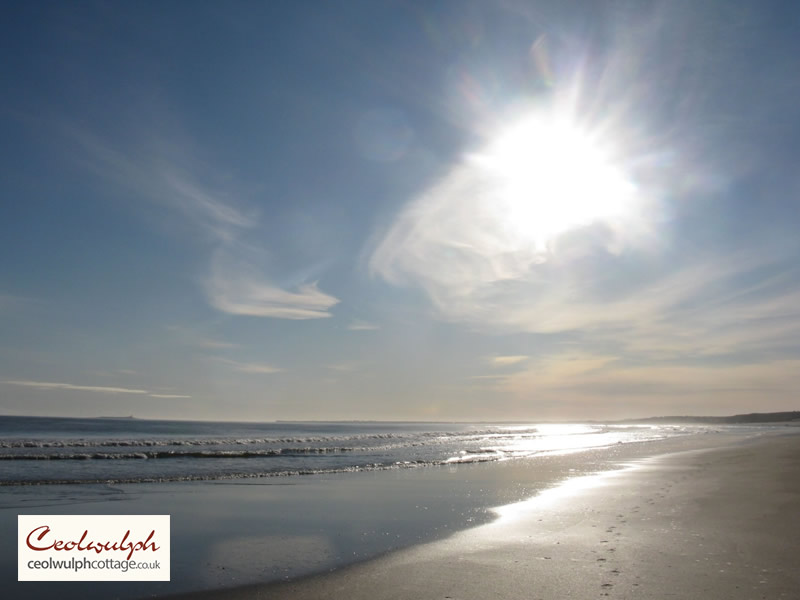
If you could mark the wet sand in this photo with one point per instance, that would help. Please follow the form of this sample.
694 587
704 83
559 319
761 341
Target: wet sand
714 524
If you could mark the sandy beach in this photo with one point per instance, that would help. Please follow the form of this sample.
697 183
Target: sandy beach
717 523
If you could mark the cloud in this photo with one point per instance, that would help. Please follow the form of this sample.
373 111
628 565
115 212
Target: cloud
165 174
243 367
237 287
613 286
586 380
500 246
48 385
359 325
219 216
510 240
727 306
504 361
193 338
238 296
692 295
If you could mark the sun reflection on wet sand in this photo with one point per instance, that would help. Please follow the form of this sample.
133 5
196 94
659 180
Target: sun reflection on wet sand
512 513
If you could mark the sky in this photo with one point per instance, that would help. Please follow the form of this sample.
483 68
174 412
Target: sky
403 210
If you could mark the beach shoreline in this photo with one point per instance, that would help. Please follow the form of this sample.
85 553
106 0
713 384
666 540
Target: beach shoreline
704 522
304 536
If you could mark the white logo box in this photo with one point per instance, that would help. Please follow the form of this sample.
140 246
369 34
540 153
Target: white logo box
93 547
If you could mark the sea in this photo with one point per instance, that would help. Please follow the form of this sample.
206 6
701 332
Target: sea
266 502
52 451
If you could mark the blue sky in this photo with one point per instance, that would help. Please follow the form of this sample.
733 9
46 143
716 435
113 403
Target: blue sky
399 210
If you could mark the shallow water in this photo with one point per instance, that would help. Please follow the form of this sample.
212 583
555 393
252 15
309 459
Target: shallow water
228 532
67 451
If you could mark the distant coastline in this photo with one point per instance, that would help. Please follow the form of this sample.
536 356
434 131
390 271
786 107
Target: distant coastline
128 417
772 417
776 417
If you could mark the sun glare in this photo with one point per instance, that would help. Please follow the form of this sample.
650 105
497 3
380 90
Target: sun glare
548 177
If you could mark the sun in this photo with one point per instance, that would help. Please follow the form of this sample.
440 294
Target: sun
544 177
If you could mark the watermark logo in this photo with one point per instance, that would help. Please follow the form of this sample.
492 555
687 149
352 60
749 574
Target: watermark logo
93 547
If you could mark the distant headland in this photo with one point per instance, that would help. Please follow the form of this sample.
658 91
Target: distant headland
776 417
116 418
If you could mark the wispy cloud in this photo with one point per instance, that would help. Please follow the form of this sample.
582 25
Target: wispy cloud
649 300
580 380
165 174
247 367
49 385
359 325
477 264
504 361
651 280
687 294
192 338
236 290
100 389
211 209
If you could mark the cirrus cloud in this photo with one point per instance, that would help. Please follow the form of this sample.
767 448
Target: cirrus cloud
100 389
50 385
237 287
359 325
248 367
163 172
505 361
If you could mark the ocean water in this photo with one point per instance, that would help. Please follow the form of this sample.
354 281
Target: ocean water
39 451
259 502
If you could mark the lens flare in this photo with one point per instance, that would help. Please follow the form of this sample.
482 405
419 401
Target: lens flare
547 177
